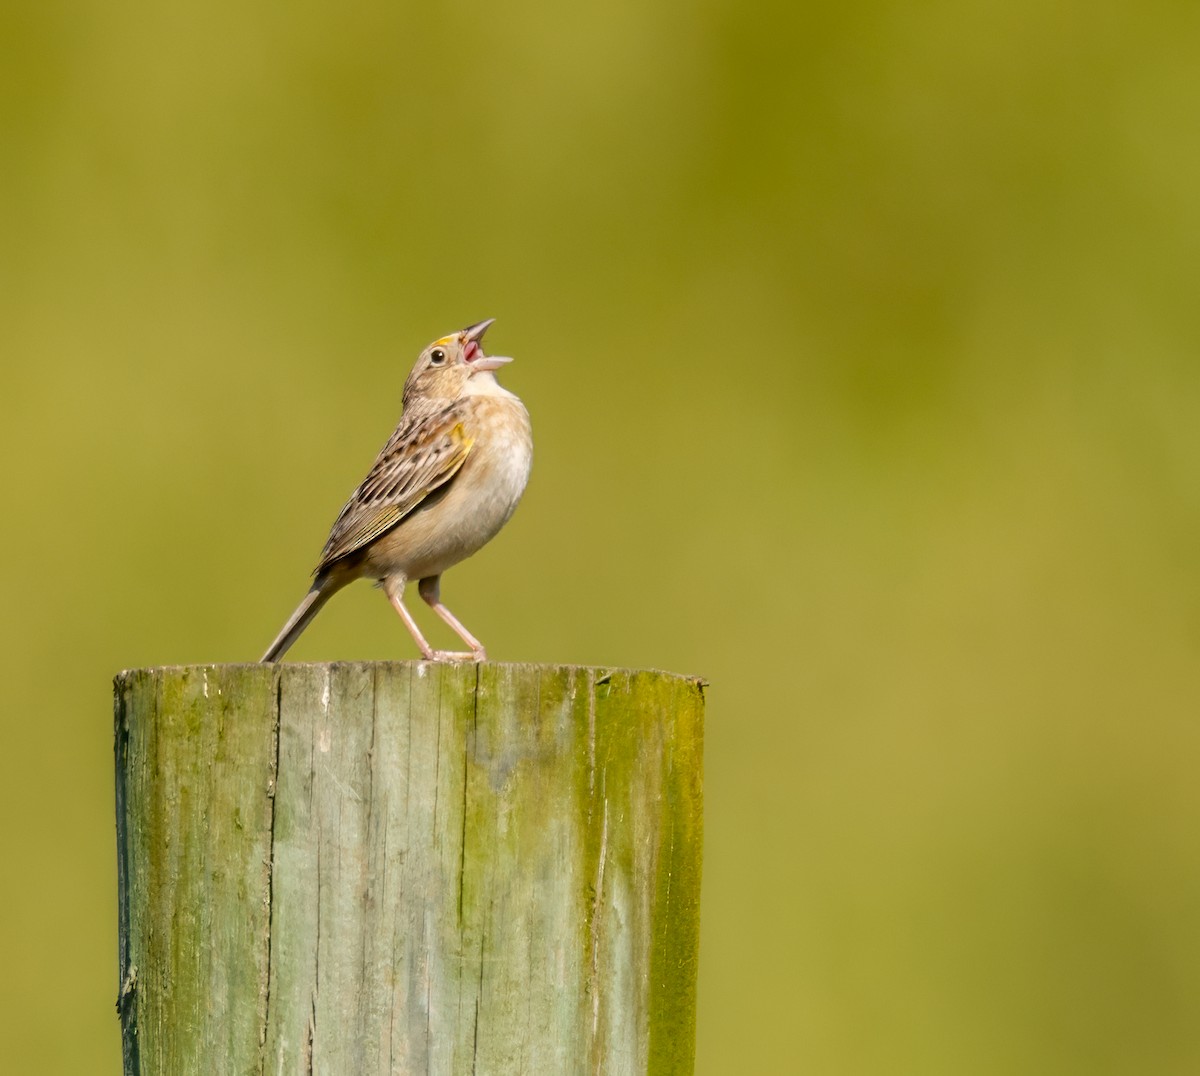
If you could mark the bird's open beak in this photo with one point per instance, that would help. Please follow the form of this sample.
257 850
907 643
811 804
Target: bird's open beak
473 350
475 332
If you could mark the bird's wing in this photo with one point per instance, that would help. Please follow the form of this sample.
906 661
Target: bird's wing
420 457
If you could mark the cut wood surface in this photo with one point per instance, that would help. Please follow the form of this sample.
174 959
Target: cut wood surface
408 867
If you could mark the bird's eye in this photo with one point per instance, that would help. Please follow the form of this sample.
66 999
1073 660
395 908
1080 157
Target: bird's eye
437 356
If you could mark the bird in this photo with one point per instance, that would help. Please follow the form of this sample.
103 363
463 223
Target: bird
443 485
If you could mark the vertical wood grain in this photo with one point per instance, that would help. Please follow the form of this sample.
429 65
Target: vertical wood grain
408 867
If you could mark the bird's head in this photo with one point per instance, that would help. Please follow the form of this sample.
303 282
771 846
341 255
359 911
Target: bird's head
446 367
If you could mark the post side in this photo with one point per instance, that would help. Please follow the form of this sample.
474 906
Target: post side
399 867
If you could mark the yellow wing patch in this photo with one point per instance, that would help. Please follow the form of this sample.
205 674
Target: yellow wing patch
405 473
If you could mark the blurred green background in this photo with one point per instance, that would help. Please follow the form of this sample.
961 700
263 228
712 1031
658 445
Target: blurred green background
860 342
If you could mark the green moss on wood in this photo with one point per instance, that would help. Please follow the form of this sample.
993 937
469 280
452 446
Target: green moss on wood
401 867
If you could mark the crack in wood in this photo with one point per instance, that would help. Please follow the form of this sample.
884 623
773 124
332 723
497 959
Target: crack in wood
554 940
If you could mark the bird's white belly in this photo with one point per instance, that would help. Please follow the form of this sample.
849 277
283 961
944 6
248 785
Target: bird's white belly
479 500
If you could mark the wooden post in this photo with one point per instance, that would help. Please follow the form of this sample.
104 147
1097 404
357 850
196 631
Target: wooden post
408 867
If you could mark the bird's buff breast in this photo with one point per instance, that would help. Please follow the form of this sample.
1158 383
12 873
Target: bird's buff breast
478 501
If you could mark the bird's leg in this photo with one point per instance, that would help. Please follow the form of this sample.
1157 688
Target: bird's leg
430 590
394 589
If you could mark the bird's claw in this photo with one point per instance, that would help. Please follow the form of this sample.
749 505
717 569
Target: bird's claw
457 655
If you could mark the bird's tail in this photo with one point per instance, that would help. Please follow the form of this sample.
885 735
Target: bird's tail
314 600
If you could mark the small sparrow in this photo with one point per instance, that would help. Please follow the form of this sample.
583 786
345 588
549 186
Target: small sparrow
445 483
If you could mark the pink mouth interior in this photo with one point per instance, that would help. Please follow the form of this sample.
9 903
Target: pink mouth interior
472 351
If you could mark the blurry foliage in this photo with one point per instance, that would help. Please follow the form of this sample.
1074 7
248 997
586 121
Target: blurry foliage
860 342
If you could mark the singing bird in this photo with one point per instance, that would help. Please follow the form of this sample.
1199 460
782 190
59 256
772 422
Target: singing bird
444 484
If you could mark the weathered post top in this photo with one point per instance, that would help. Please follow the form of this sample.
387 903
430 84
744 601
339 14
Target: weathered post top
408 867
